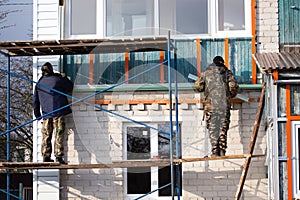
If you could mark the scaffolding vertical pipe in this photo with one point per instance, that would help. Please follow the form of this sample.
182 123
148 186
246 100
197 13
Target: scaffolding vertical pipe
171 119
176 122
8 129
20 190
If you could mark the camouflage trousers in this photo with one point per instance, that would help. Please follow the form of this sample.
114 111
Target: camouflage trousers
54 126
217 123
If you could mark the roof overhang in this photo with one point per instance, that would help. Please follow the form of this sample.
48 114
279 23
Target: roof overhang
84 46
269 62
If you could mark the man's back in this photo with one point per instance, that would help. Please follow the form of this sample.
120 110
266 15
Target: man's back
51 100
216 87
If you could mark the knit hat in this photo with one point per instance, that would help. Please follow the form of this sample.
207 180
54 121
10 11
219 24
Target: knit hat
218 60
47 69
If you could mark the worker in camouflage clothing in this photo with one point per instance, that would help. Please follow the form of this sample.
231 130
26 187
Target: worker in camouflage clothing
49 97
219 86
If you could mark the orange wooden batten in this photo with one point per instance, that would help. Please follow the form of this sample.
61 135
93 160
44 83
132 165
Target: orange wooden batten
289 143
162 72
126 66
253 15
198 56
91 74
226 51
275 75
158 101
289 138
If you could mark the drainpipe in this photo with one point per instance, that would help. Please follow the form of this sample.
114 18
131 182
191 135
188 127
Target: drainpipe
61 29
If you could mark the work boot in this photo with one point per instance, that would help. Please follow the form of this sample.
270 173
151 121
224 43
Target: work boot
222 152
215 153
47 159
60 160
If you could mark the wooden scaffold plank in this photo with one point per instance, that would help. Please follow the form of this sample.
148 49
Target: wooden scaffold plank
114 164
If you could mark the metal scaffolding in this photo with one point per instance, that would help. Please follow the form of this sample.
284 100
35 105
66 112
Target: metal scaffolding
73 47
76 47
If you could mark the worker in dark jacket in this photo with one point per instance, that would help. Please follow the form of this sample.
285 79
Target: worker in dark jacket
219 86
49 101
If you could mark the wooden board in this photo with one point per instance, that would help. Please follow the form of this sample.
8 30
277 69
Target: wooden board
114 164
252 143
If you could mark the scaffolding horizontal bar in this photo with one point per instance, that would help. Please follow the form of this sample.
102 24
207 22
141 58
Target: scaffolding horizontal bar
83 46
115 164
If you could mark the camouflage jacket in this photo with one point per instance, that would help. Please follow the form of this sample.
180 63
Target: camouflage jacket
219 86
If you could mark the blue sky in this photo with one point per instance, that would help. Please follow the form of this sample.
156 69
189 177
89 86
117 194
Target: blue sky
21 20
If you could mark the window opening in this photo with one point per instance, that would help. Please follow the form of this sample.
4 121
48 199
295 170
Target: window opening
296 160
295 99
129 17
143 17
138 148
83 23
145 143
231 15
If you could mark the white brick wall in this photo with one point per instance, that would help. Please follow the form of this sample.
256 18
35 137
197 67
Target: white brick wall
267 26
96 137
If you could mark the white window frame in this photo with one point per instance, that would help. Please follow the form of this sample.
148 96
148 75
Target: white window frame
100 29
295 158
212 23
236 33
154 170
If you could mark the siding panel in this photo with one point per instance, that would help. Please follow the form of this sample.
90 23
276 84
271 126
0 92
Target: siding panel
110 68
209 49
46 182
289 15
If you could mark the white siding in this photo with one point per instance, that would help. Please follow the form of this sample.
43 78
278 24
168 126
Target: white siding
45 27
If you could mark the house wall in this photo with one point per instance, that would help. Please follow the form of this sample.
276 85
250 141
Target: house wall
267 26
90 132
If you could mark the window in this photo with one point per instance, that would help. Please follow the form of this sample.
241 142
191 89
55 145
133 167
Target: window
173 15
129 17
296 158
108 18
282 158
83 23
282 99
145 143
82 19
231 15
295 100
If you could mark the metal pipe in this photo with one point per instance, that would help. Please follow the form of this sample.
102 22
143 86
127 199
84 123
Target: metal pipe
20 190
8 129
287 82
14 196
177 124
171 119
153 191
250 86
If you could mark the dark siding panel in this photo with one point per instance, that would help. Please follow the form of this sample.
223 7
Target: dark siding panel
209 49
110 68
186 59
240 59
289 23
141 61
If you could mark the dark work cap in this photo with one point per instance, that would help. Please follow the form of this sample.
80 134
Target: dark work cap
47 68
218 60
